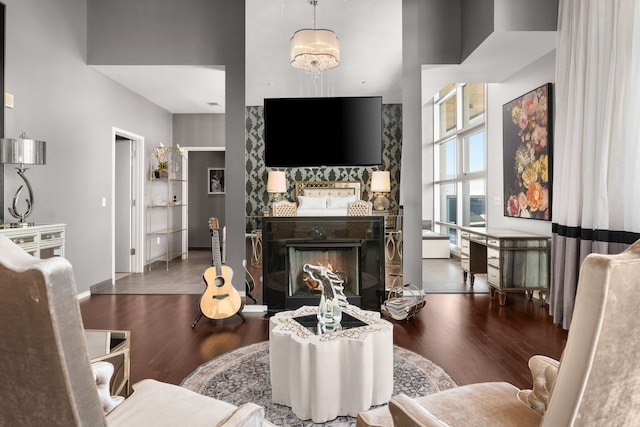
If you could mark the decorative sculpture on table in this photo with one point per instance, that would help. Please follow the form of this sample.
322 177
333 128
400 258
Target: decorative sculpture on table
332 300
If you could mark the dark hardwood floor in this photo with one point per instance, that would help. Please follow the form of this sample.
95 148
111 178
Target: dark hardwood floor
469 335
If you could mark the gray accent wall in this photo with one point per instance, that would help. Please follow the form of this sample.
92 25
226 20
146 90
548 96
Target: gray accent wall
202 205
477 24
199 130
60 100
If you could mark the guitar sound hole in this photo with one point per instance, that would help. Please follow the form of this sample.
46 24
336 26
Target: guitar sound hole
219 281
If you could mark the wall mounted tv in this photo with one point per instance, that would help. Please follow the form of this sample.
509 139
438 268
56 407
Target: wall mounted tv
314 132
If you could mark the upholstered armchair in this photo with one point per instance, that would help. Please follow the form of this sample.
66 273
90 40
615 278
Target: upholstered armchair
46 376
359 208
596 382
284 208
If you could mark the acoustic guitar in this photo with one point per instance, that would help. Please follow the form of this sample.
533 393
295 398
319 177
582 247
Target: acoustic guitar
220 300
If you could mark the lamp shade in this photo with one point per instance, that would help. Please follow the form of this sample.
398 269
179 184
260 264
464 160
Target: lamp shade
22 151
381 182
319 49
276 182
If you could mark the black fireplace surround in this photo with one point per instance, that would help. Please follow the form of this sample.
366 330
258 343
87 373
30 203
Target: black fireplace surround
354 246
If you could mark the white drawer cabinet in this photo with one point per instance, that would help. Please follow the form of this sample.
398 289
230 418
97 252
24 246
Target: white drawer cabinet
42 241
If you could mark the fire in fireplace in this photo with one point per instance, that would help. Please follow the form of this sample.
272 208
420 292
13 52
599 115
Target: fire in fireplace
342 257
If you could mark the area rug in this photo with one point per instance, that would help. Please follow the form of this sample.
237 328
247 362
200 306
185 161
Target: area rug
242 376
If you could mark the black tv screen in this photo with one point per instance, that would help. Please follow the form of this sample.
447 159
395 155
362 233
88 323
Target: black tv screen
313 132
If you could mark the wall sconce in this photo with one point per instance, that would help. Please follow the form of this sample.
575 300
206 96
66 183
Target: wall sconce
22 151
380 187
276 184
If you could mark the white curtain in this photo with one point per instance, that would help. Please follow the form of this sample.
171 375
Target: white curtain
596 189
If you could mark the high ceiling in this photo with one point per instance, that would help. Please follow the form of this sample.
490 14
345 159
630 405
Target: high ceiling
370 33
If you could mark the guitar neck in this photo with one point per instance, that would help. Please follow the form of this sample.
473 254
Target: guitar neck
215 249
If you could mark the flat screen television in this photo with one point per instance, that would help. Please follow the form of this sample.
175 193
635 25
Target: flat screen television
314 132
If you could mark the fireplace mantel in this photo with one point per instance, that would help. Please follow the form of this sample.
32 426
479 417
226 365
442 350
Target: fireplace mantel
281 234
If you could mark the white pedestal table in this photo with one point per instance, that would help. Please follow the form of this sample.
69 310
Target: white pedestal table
323 376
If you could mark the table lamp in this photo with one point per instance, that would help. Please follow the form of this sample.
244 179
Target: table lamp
380 187
276 184
22 151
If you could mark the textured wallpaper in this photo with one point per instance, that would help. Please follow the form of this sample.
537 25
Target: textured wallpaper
256 196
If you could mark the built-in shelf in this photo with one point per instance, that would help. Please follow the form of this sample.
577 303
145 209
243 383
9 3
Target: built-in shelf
166 235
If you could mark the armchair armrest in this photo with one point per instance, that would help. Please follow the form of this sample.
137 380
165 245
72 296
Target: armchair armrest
407 412
544 371
102 372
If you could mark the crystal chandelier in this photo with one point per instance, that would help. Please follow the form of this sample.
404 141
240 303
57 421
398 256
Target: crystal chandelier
315 50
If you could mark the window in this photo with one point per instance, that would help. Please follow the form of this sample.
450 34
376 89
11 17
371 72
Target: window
459 153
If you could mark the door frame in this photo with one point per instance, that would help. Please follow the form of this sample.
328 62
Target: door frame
137 187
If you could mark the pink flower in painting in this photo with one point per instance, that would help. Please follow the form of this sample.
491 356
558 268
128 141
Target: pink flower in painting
544 206
523 121
539 139
522 200
530 103
513 207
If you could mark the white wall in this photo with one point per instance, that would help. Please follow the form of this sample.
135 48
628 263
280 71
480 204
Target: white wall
530 77
61 100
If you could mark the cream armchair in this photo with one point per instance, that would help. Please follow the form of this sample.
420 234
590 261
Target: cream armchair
596 383
284 208
47 379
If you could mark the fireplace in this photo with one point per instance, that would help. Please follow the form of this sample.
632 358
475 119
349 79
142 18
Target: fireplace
354 246
342 257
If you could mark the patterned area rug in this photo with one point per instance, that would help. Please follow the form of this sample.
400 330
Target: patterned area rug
243 376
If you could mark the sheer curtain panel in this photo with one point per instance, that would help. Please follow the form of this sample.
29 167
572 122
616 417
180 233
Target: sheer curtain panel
596 203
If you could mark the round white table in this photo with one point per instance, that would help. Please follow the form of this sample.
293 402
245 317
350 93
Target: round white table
338 373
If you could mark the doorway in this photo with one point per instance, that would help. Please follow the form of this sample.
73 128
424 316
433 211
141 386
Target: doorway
201 203
127 215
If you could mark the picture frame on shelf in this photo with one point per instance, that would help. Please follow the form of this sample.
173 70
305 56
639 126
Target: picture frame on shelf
215 180
527 154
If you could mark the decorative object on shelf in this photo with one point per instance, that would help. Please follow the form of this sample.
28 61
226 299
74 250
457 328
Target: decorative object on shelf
216 180
164 165
315 50
22 151
380 187
526 127
162 169
401 306
276 185
332 300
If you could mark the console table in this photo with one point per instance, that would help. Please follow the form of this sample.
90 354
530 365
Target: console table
512 260
325 375
41 241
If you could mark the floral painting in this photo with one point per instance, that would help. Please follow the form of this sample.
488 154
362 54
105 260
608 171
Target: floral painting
526 124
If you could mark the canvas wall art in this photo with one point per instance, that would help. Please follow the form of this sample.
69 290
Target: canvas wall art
527 162
216 180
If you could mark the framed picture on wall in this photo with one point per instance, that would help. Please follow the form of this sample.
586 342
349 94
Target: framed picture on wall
527 161
216 180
